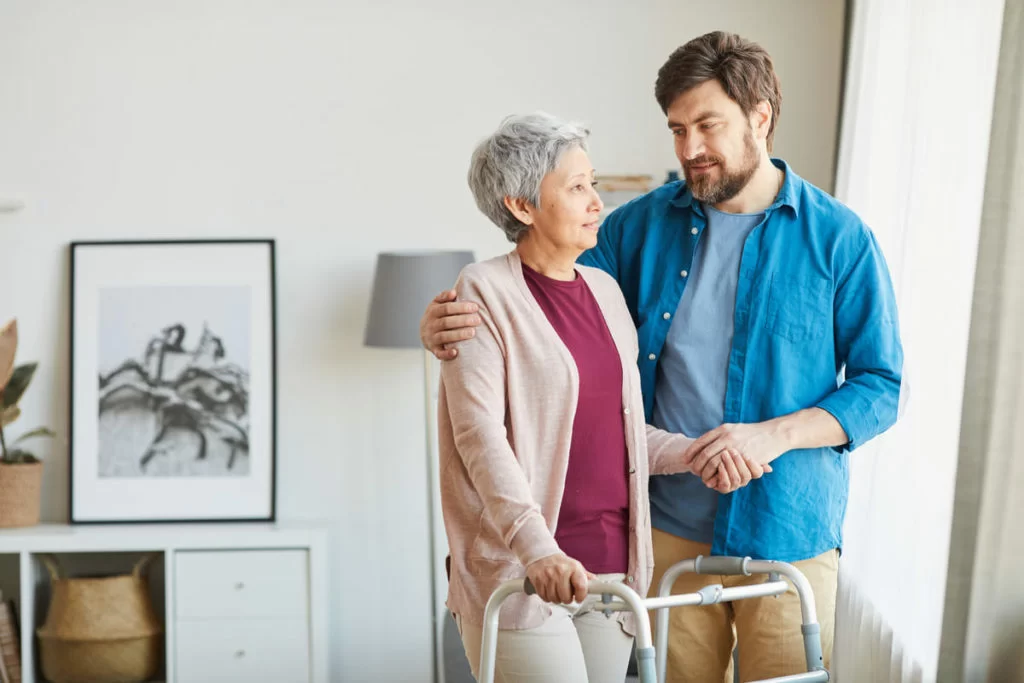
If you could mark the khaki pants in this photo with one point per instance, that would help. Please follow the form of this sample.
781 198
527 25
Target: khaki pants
592 648
701 638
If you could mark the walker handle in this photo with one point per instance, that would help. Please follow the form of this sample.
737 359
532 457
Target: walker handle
729 566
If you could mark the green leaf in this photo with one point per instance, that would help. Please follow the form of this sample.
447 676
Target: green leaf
19 382
9 415
31 434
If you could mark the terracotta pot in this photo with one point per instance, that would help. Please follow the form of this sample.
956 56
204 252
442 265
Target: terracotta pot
20 488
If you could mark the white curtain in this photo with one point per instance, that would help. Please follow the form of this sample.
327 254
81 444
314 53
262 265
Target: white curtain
912 158
983 624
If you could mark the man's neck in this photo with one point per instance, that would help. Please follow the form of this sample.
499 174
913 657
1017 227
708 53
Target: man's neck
759 193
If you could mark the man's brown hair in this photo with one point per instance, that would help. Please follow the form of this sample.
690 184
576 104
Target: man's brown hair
743 68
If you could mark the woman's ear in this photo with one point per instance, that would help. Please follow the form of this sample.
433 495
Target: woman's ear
521 209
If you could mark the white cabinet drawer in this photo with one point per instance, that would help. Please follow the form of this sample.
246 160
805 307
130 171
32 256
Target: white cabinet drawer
241 584
253 651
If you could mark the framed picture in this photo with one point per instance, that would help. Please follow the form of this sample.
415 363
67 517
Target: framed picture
173 406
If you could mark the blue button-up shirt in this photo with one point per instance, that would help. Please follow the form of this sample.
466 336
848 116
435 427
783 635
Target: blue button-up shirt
815 324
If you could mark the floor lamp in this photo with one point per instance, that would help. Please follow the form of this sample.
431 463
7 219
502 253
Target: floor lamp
403 285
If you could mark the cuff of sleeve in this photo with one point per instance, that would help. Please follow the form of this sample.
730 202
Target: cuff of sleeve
833 405
534 541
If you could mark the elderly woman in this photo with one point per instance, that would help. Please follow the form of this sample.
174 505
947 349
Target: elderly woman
545 454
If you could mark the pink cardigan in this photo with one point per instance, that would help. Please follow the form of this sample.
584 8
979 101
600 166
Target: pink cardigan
505 415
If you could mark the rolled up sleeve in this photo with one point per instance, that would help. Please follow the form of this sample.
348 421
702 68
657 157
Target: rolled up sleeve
867 340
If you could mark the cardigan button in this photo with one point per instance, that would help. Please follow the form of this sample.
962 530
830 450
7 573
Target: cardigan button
626 411
629 579
632 470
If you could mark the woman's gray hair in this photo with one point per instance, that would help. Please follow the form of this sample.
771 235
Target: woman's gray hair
513 161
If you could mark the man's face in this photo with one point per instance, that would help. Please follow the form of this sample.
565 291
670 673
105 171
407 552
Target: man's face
715 142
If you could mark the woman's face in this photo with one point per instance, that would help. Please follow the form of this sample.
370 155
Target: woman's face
567 218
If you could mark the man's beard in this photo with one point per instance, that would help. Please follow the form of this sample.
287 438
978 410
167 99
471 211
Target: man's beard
707 189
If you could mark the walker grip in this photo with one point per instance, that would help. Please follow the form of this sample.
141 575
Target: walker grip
730 566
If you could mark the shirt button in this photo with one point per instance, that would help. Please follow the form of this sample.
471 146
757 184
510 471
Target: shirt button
666 316
683 273
694 231
651 356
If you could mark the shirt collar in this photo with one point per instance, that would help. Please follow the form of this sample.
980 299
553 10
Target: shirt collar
789 195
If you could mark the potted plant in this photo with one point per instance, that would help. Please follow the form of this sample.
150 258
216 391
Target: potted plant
21 473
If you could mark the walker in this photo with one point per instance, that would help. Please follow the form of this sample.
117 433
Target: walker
651 661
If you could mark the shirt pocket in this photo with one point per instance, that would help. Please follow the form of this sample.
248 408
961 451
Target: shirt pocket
799 308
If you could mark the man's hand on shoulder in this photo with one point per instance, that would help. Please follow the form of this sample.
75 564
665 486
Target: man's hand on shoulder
445 323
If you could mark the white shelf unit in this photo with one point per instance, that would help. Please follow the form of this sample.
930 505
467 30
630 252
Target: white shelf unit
238 601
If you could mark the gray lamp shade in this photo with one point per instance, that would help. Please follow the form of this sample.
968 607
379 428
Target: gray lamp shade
403 285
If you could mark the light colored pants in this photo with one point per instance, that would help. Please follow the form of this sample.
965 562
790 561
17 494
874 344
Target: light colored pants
701 638
592 648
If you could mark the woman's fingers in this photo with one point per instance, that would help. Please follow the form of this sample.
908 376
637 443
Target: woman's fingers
560 579
580 581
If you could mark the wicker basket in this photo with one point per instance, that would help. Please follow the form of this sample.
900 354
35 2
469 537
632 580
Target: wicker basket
100 629
20 487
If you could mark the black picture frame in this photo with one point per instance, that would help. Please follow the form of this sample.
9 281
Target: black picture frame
212 392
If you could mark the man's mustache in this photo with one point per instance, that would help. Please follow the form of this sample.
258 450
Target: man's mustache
701 161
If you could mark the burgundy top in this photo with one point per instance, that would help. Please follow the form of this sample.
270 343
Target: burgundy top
593 521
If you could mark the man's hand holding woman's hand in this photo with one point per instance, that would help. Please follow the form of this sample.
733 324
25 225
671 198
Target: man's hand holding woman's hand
731 471
559 578
730 456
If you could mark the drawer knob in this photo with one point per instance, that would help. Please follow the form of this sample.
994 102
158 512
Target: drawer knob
239 654
239 586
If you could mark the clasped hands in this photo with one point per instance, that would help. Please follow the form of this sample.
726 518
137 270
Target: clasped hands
730 456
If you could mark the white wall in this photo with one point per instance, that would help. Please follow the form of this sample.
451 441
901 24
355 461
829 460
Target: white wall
341 129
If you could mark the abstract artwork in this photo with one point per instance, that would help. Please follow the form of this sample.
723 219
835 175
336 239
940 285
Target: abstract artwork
172 381
170 403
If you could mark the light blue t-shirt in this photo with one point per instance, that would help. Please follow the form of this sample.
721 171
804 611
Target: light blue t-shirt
690 391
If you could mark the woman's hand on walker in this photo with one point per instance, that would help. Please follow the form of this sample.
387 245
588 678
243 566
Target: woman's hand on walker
559 578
